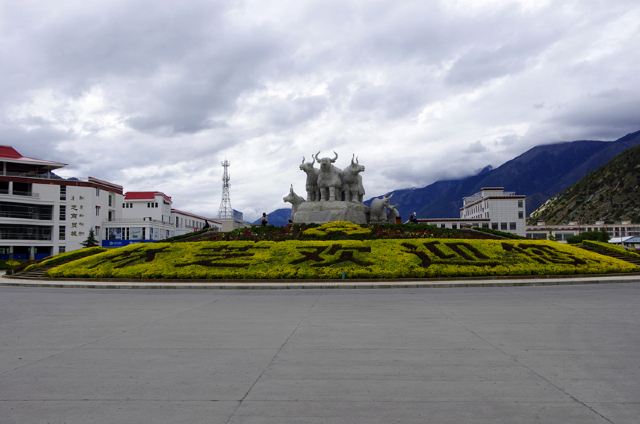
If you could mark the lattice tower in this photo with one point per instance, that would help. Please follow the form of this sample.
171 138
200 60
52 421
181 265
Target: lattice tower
225 211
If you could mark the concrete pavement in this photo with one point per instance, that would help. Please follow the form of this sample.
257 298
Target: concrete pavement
552 354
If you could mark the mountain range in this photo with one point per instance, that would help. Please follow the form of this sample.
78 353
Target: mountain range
610 194
539 173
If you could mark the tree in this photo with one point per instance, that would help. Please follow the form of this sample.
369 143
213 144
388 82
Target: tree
91 240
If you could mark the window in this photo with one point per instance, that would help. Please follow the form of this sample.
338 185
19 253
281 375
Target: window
442 226
22 189
25 211
494 225
485 225
97 210
454 226
156 205
63 192
520 203
520 214
111 199
63 213
62 232
61 249
512 225
503 225
25 232
97 192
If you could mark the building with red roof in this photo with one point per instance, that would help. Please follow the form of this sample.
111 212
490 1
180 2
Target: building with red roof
42 214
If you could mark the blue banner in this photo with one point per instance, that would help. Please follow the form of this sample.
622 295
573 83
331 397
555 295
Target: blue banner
121 243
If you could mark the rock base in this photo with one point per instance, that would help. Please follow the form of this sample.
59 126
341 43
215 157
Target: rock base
321 212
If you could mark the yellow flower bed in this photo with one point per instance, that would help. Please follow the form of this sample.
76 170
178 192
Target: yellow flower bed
344 227
366 259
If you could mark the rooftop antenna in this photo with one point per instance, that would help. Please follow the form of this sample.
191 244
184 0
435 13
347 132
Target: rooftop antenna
225 211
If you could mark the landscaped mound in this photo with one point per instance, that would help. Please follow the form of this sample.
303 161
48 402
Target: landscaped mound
334 259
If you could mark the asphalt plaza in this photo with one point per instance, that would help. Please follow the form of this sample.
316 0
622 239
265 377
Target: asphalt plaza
549 354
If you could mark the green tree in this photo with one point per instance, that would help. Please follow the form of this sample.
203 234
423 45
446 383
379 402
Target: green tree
91 240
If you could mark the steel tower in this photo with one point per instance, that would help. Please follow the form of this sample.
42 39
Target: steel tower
225 211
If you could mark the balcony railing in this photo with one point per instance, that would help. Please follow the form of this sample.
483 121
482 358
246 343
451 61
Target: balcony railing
24 194
137 221
45 176
19 235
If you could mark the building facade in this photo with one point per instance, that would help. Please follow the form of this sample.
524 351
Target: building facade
562 232
148 216
492 208
42 214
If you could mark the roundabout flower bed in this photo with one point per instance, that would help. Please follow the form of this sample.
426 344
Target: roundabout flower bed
335 259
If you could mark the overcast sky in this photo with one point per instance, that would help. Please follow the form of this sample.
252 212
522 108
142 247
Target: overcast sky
153 94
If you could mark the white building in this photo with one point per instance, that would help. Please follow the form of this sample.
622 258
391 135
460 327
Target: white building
562 232
491 207
148 216
42 214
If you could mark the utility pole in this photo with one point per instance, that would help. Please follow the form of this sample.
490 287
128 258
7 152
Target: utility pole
225 211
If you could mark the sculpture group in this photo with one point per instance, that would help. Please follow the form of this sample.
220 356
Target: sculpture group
336 194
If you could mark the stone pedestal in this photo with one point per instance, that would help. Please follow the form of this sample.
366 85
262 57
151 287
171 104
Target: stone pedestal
321 212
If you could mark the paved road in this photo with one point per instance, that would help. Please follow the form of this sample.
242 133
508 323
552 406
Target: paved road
563 354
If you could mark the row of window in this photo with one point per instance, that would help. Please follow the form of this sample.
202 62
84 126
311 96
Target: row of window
129 205
494 225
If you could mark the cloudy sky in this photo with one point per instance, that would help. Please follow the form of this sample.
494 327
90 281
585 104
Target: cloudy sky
153 94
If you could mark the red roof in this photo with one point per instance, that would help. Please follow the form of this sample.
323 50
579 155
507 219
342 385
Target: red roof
145 195
9 152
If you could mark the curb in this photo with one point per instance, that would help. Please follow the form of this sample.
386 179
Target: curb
270 285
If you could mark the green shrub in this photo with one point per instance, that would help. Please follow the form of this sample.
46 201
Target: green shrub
502 234
65 257
602 236
610 248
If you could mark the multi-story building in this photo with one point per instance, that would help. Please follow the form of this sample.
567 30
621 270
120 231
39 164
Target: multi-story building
492 208
42 214
562 232
148 216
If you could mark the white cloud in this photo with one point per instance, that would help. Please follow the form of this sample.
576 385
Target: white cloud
154 94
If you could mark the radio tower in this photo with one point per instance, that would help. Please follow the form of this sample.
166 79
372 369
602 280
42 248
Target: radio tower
225 211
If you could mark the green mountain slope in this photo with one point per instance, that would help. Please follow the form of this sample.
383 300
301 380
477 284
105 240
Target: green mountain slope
612 193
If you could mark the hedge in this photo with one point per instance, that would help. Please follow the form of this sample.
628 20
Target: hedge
368 259
66 257
611 248
338 230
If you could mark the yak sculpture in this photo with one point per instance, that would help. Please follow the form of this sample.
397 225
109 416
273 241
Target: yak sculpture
313 194
378 209
352 188
294 199
329 178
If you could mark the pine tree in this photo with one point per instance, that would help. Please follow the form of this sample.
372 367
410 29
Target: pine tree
91 240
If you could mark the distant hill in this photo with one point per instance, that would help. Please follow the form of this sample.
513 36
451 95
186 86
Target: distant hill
612 193
278 218
539 173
